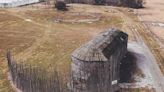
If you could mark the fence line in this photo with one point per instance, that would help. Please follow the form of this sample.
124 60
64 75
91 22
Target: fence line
34 79
28 78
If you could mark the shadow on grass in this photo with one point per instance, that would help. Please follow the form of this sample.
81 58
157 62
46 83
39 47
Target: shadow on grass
127 68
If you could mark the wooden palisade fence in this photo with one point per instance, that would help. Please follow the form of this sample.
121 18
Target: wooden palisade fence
86 75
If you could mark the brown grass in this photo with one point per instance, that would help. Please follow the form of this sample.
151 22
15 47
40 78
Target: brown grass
42 42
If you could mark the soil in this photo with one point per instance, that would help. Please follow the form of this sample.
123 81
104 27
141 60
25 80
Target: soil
152 17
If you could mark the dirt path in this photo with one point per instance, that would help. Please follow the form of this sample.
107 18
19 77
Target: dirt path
152 18
151 63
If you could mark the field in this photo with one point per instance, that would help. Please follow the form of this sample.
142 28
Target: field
34 37
46 37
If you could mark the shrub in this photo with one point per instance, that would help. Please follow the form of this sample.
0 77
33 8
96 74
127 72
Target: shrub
132 3
99 2
60 5
136 3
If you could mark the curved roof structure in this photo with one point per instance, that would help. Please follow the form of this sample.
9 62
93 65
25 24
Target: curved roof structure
94 49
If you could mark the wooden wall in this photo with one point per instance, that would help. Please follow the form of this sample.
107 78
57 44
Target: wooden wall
96 64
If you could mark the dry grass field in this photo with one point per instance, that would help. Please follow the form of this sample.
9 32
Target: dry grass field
40 36
34 37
